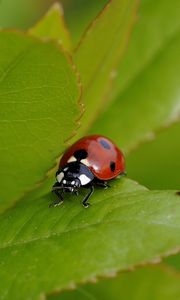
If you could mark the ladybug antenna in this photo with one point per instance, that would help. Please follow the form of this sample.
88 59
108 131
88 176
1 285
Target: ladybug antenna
55 188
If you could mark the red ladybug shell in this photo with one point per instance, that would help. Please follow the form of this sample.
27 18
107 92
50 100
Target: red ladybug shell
104 158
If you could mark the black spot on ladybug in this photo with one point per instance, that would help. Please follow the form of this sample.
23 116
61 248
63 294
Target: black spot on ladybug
112 166
105 144
80 154
178 193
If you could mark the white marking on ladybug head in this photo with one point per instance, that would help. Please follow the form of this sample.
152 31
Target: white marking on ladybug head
85 162
71 159
60 176
73 182
65 169
64 181
84 179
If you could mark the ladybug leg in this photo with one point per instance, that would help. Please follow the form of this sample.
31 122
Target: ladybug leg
56 202
59 200
102 184
84 202
76 193
59 193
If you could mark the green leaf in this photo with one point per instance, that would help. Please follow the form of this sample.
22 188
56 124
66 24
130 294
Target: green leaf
79 14
100 50
21 14
157 283
173 261
156 164
157 25
52 26
38 108
45 249
149 96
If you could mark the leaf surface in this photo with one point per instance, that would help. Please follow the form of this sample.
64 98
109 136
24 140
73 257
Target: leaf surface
52 26
49 249
174 261
149 93
79 14
155 282
38 107
157 25
22 14
156 164
100 50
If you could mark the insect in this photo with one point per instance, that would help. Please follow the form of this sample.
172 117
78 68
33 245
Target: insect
89 162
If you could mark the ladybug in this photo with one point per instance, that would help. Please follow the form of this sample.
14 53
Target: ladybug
89 162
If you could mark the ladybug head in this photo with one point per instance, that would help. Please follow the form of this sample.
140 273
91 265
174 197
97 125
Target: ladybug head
70 184
67 181
73 175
